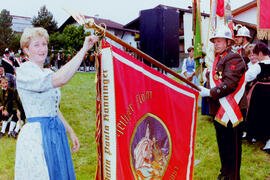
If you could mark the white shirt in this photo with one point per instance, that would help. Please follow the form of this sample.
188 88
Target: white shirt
39 98
254 70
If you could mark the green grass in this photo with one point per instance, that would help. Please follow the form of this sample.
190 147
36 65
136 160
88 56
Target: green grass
255 163
78 107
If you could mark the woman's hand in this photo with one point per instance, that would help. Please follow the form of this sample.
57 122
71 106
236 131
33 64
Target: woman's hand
75 142
89 42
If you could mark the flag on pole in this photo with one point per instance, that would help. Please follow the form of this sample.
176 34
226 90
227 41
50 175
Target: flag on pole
263 15
77 16
197 30
220 8
210 50
228 16
220 16
146 133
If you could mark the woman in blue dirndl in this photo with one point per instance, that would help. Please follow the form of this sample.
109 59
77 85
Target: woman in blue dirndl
42 150
189 67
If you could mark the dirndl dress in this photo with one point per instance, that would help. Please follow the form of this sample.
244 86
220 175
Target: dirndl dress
42 150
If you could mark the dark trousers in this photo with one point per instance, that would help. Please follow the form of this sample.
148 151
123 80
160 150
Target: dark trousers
230 148
5 118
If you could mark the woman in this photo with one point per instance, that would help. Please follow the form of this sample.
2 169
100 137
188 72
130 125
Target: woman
258 112
189 66
251 57
42 150
252 61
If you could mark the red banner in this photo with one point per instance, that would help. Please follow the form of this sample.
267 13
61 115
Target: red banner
220 8
148 121
263 28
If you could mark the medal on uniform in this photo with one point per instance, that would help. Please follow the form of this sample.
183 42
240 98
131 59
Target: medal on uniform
220 75
216 77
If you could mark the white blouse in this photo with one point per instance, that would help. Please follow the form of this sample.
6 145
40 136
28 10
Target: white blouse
34 85
254 70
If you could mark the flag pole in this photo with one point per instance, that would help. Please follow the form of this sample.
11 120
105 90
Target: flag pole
92 25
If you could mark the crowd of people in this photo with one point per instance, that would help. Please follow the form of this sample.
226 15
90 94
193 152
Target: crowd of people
12 116
57 59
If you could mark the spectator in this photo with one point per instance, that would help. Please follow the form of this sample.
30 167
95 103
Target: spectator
8 62
205 104
252 60
59 60
8 107
20 115
250 55
189 66
258 125
92 62
10 77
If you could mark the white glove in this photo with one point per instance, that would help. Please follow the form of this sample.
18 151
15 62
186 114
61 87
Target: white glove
204 91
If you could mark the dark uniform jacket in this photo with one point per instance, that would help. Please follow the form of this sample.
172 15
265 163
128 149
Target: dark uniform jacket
8 67
8 99
244 55
231 68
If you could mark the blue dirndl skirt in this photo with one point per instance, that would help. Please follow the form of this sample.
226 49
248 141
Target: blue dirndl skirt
56 148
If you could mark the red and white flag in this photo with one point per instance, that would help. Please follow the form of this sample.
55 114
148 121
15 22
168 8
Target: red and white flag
147 123
263 25
77 16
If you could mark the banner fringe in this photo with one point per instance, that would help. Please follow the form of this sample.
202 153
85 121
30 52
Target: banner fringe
263 34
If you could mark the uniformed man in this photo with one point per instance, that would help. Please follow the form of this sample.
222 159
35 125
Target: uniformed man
225 101
243 37
8 62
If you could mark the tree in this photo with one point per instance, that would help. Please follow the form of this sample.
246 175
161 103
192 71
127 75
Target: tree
71 39
45 19
6 33
14 43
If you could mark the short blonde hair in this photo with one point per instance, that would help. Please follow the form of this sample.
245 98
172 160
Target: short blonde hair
30 33
249 49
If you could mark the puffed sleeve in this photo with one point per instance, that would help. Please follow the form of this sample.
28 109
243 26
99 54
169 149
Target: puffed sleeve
184 66
30 77
252 72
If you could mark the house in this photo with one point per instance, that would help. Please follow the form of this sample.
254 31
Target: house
116 29
248 14
19 23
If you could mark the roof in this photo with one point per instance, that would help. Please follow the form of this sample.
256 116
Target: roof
21 17
244 8
109 24
249 25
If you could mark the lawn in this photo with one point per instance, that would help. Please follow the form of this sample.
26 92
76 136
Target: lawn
78 107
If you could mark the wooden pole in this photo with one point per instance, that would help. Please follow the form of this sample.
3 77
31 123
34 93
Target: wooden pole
142 54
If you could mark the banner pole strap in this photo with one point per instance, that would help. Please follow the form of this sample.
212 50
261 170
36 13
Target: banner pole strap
91 25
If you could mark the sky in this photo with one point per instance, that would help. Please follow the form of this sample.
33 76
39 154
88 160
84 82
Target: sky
121 11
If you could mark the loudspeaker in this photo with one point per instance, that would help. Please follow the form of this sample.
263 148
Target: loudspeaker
159 35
